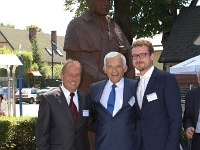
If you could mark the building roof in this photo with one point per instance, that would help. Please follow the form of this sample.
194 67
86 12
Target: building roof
15 37
184 39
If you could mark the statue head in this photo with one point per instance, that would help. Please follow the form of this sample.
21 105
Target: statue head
99 8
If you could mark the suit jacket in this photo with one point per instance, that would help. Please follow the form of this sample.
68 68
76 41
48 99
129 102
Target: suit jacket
159 120
55 129
192 105
114 133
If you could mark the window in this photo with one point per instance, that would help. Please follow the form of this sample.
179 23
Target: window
48 50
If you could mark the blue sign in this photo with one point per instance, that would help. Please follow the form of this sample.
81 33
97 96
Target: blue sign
22 79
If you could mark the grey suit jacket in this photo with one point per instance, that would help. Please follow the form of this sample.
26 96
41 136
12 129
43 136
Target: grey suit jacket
55 129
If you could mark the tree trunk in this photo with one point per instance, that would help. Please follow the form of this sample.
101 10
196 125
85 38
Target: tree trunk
123 18
194 3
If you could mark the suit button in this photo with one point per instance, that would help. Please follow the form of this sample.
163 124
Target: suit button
112 119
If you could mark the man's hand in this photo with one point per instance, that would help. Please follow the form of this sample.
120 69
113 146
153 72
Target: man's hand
190 132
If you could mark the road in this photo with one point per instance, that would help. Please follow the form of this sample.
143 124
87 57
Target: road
27 109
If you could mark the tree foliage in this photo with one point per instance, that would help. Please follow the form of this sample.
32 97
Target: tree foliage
26 61
7 25
149 17
34 26
153 16
37 59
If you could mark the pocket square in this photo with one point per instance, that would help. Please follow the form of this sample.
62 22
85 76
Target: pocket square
132 101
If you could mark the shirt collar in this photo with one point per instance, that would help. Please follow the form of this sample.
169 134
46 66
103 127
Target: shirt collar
120 84
66 92
148 73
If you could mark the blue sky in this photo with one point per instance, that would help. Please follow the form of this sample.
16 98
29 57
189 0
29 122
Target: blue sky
46 14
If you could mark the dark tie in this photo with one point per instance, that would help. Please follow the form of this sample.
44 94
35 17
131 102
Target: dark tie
73 108
111 100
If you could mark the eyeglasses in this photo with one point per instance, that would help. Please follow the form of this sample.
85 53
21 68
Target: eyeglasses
141 55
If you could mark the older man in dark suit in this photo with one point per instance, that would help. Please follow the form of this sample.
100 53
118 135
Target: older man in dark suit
65 114
191 119
114 105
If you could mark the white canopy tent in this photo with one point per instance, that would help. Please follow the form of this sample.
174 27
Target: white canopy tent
7 60
190 66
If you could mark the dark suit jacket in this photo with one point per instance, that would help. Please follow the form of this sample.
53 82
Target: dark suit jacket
114 133
55 129
192 105
191 113
159 121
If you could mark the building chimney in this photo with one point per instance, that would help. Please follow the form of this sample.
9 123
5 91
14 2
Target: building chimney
54 37
32 32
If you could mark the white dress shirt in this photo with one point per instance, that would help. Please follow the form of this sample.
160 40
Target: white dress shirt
198 124
146 77
67 96
118 97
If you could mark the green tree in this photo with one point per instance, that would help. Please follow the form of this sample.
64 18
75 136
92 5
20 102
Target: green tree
34 26
27 59
3 72
140 18
46 71
57 69
36 51
7 25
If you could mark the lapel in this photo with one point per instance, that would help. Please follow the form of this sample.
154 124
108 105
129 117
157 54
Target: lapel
80 103
148 88
126 95
63 102
137 106
101 88
197 103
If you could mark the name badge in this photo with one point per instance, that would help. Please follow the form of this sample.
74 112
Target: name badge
152 97
85 113
132 101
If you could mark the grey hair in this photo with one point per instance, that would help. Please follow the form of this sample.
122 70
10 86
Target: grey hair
198 75
114 54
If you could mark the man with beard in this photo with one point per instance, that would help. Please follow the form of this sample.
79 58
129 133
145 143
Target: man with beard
158 103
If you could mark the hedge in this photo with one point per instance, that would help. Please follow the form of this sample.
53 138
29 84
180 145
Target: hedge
17 133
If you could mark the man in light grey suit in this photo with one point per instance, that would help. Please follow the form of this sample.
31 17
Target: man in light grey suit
115 119
65 113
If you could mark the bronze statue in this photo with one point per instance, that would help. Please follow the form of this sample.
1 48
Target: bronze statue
90 37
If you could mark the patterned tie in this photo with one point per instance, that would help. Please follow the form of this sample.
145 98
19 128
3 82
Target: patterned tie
141 91
111 100
73 108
